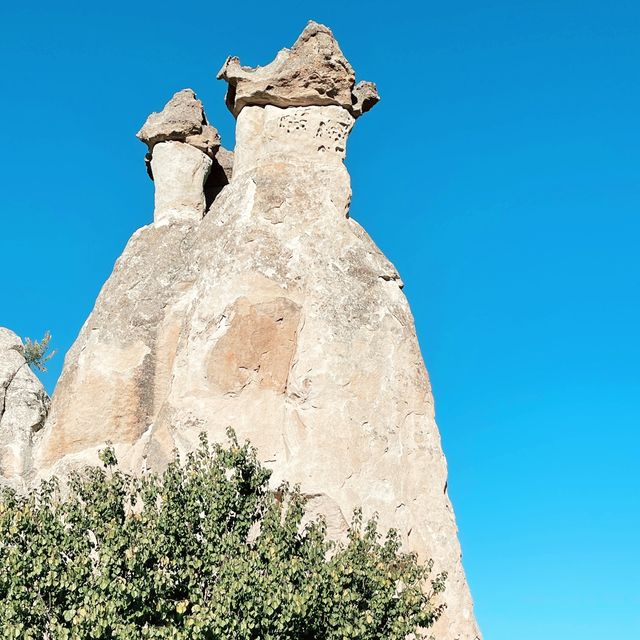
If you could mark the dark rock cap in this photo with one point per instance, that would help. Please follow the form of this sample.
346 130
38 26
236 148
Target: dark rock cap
183 119
314 72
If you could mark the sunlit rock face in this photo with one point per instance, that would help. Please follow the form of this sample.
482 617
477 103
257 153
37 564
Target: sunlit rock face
181 159
275 314
314 72
179 172
23 410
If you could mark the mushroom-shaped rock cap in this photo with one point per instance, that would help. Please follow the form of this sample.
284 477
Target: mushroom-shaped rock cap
314 72
183 120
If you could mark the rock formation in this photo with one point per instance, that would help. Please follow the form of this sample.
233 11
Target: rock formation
314 72
274 313
23 410
182 149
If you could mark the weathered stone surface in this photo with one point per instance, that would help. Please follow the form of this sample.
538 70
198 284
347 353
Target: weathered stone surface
219 176
23 409
275 314
208 140
365 97
180 171
314 72
182 119
182 150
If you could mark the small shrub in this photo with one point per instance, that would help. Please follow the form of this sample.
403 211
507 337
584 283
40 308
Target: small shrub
205 551
36 352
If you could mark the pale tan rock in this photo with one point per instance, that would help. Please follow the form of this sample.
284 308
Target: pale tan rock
23 410
183 119
208 140
314 72
180 172
182 149
365 97
275 314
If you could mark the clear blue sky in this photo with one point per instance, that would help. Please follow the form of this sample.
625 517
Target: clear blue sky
501 175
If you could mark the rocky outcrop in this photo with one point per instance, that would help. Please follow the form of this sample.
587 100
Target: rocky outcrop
274 313
182 148
314 72
365 96
182 120
23 410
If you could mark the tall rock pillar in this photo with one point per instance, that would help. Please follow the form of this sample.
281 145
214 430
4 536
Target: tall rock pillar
182 146
275 314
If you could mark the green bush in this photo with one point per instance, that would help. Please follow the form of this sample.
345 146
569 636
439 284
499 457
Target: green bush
203 551
36 352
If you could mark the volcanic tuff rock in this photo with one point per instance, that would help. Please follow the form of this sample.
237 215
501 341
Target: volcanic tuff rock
183 120
274 313
314 72
23 409
182 159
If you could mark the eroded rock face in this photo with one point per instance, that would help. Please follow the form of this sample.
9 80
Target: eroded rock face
23 410
182 148
180 172
183 119
275 314
314 72
365 97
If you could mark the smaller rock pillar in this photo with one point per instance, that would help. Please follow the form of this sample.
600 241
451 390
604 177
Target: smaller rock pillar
24 406
182 146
